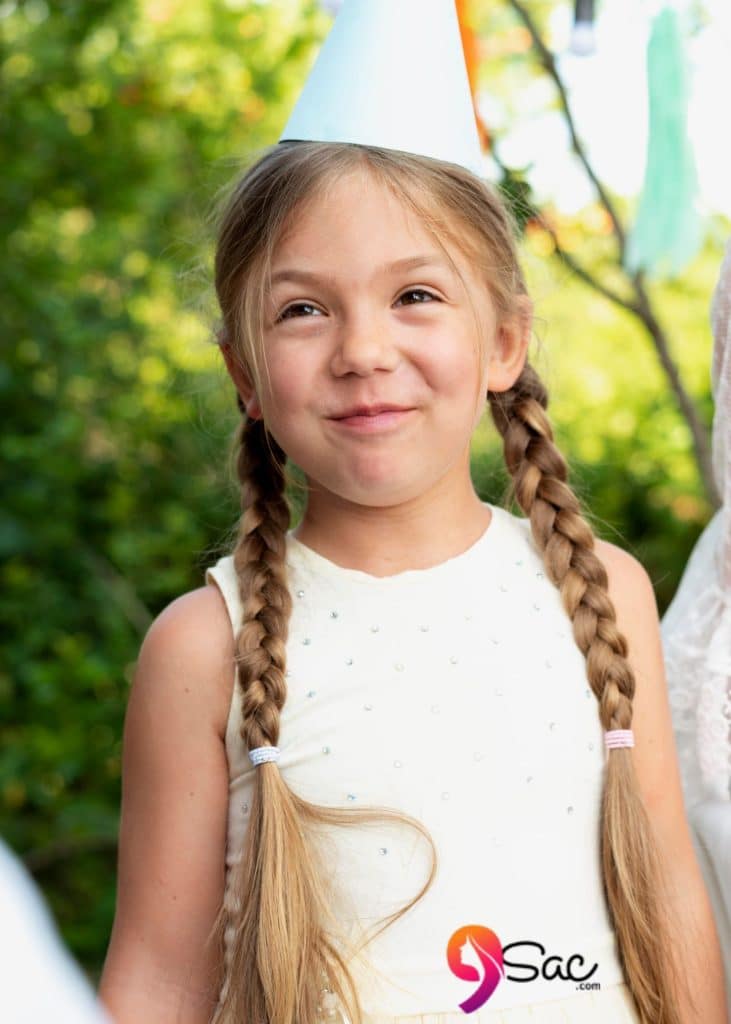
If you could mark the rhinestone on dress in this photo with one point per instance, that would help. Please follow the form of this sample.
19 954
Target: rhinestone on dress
367 707
306 641
348 661
551 725
498 692
424 629
397 764
591 746
333 615
245 808
435 709
495 639
351 796
503 588
539 575
519 561
454 659
383 850
529 778
374 629
537 607
326 750
569 810
445 796
399 666
311 693
300 593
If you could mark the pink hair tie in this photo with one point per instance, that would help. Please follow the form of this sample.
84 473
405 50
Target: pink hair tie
619 738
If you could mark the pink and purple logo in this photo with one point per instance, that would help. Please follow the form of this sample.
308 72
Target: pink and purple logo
474 953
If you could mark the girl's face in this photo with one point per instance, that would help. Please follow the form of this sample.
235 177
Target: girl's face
346 328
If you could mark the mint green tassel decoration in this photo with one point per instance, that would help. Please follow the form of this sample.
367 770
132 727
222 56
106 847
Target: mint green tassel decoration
667 233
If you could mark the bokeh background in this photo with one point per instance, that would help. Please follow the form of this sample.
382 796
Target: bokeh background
121 123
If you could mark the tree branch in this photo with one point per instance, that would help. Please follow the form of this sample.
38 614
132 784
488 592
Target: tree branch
583 273
549 63
642 306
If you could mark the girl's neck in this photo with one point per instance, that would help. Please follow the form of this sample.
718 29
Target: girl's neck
387 541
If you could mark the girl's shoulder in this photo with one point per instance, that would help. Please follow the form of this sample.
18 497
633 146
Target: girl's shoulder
623 569
194 632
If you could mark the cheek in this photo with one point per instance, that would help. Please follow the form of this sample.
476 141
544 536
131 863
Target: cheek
289 386
451 370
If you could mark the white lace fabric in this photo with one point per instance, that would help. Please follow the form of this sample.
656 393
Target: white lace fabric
696 629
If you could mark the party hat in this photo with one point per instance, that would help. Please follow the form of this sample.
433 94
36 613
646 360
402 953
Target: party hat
392 73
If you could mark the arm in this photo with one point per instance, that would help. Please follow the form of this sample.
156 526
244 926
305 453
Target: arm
658 773
173 822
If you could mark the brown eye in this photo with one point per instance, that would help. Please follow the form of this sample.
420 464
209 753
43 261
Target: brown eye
418 291
295 305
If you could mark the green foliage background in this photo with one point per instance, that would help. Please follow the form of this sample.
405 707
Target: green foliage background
120 123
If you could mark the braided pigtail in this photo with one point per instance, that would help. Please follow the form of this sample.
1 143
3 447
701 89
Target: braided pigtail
632 876
283 962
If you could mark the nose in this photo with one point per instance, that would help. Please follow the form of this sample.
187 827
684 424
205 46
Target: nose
363 344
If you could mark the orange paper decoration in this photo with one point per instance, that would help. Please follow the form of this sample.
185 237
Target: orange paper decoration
471 47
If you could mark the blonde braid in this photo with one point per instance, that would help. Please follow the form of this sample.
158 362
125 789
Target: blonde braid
259 561
274 883
632 876
286 960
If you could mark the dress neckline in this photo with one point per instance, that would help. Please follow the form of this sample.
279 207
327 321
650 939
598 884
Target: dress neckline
487 541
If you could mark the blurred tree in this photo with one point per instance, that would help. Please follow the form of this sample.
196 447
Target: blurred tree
118 124
631 291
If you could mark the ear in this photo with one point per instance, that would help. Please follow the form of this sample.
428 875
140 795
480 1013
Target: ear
510 347
243 384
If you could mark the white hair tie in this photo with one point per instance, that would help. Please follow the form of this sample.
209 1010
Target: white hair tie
261 754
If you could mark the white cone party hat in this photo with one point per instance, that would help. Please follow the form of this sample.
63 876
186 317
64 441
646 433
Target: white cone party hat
392 73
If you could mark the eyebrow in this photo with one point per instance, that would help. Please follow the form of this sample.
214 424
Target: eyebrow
408 263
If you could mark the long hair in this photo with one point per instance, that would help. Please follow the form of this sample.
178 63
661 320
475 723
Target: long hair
283 955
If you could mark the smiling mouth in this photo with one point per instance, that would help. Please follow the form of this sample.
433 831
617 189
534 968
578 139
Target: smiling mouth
375 410
375 423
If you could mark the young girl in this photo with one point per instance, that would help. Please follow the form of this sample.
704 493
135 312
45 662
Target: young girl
413 758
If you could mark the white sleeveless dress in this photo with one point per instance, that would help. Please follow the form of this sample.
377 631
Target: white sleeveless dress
456 694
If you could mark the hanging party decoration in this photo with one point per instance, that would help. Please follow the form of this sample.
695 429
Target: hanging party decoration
667 231
471 46
583 41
